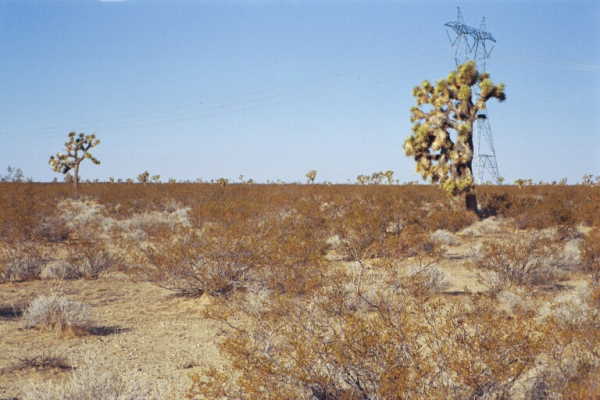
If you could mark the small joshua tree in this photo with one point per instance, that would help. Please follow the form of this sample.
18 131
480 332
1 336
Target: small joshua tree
376 178
143 177
311 175
362 179
389 175
222 182
13 175
78 147
442 139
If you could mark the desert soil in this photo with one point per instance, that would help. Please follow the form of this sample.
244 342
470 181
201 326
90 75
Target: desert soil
137 326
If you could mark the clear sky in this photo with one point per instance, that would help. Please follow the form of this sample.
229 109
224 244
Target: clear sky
272 88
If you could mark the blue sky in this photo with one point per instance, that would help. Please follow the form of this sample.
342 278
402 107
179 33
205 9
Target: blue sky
270 89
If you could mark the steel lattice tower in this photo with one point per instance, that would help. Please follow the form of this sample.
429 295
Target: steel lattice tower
470 43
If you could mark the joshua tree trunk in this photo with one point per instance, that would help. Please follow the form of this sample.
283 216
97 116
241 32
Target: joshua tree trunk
471 202
470 197
76 180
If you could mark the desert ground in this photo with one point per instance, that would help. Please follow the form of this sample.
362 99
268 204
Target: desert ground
298 291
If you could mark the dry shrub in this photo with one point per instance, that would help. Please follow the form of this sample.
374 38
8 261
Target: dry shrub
278 253
84 217
150 224
586 386
58 313
90 221
22 207
543 206
44 361
568 232
588 211
84 260
374 227
191 265
21 262
290 252
92 260
426 281
550 211
51 228
492 204
449 217
520 260
94 382
590 257
595 296
574 356
420 277
326 347
60 269
282 246
304 329
488 226
361 227
444 237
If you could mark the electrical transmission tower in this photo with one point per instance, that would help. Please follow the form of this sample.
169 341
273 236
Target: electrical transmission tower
469 43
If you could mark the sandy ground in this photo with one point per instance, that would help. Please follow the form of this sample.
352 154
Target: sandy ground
137 326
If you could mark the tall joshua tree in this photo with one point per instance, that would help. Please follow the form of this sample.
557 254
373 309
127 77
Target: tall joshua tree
78 147
442 138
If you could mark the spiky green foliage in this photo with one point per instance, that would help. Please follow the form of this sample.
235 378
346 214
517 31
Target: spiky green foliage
442 139
78 149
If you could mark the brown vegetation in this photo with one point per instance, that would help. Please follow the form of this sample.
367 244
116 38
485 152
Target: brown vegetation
334 292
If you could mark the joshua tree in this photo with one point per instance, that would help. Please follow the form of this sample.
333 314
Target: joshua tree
442 139
587 179
389 175
311 175
362 179
376 178
222 182
13 175
78 147
143 177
